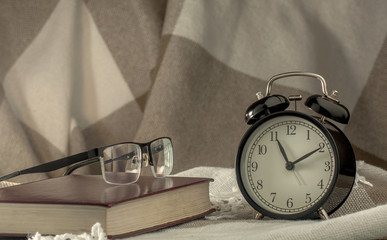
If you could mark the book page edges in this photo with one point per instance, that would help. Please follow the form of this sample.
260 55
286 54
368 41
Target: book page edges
159 211
19 219
161 226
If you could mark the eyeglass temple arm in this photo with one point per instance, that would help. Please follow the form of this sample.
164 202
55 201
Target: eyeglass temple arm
54 165
80 164
93 160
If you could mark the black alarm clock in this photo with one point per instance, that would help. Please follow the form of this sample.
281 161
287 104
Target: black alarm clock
291 165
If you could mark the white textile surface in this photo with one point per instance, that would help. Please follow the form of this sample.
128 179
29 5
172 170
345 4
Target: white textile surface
359 217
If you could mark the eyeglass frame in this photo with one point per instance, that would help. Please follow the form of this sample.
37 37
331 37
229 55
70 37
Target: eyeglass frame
83 159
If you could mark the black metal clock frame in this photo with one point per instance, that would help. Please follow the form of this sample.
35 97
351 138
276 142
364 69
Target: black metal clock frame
344 174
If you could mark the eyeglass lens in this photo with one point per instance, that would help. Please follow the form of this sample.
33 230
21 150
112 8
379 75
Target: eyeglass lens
162 157
122 163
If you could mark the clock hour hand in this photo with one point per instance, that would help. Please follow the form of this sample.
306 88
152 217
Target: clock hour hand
282 151
289 165
306 156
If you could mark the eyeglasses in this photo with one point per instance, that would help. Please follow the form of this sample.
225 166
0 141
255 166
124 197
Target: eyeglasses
120 163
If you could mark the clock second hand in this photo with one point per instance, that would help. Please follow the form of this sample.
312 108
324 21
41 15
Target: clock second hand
289 165
299 160
299 179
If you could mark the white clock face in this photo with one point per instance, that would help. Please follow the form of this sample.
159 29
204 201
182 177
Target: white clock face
287 165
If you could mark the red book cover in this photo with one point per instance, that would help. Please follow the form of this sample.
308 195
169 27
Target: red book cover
88 191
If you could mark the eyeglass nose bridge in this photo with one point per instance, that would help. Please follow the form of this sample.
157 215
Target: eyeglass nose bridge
146 160
146 156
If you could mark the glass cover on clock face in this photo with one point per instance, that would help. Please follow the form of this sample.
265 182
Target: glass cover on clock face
287 165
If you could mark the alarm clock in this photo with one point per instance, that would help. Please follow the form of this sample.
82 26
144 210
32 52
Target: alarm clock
291 165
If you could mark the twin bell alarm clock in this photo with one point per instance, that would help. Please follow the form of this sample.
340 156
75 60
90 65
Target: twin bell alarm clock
291 165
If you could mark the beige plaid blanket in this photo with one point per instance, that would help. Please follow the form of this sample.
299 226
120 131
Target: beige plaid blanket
80 74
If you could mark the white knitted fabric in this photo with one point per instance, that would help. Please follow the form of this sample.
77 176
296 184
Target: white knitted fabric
97 233
358 218
228 200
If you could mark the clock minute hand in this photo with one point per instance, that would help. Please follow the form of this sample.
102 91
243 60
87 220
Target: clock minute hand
306 155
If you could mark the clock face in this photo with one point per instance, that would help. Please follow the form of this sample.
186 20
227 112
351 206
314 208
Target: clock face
286 165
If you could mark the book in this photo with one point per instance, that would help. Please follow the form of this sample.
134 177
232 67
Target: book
74 203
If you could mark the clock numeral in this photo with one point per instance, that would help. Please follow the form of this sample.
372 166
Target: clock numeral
327 166
308 199
259 184
289 203
254 166
273 194
262 149
308 134
273 136
291 130
321 184
322 145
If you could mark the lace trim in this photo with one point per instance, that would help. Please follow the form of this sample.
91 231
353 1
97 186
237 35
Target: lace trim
97 233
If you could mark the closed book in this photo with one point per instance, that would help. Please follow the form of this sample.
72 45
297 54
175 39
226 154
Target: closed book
74 203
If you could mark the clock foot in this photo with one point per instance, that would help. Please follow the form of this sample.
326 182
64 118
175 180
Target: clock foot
323 214
259 216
